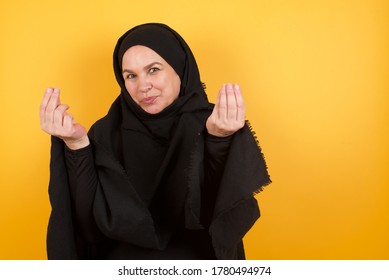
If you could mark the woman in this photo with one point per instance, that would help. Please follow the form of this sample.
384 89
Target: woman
165 174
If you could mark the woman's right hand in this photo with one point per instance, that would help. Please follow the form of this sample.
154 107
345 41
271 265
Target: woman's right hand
57 122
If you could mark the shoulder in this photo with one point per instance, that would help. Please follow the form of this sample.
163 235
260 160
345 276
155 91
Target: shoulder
110 122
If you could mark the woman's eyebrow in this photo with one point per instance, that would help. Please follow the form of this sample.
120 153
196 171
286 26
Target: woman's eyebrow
146 67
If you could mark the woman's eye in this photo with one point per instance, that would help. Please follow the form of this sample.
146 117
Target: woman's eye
153 69
130 76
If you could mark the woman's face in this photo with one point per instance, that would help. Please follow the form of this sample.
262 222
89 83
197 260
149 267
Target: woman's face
151 82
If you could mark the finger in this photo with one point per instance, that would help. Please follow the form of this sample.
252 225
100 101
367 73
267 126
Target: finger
51 106
231 103
59 114
222 103
241 109
216 107
55 98
241 114
68 122
44 103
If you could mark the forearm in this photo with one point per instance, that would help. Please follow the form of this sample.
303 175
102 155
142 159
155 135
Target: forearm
83 184
215 156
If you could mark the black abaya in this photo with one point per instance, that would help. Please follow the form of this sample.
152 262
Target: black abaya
154 187
184 243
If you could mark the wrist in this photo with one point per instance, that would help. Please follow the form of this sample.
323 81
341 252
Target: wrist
219 134
78 143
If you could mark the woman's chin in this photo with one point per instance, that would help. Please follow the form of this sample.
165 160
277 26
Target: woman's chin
152 109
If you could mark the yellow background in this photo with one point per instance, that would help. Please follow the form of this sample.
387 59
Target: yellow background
315 82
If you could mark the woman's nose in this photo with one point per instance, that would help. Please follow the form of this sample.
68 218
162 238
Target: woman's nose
145 85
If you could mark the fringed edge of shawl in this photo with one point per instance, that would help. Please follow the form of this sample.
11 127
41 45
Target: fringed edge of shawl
260 188
225 247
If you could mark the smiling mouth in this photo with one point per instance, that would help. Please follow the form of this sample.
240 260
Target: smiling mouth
149 100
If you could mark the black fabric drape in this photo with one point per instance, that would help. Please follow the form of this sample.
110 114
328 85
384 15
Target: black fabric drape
235 211
150 167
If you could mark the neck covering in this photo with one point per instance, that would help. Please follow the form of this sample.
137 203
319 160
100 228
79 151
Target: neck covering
150 166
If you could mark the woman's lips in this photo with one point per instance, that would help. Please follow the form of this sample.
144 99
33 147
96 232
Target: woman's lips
149 100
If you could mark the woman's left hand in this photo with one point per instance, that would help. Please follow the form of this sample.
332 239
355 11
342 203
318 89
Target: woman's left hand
228 115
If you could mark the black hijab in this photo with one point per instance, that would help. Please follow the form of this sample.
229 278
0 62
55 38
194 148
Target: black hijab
150 165
171 47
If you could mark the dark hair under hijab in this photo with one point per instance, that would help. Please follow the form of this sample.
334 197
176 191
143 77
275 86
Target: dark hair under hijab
150 166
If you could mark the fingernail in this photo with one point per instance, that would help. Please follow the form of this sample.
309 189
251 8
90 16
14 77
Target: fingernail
236 86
